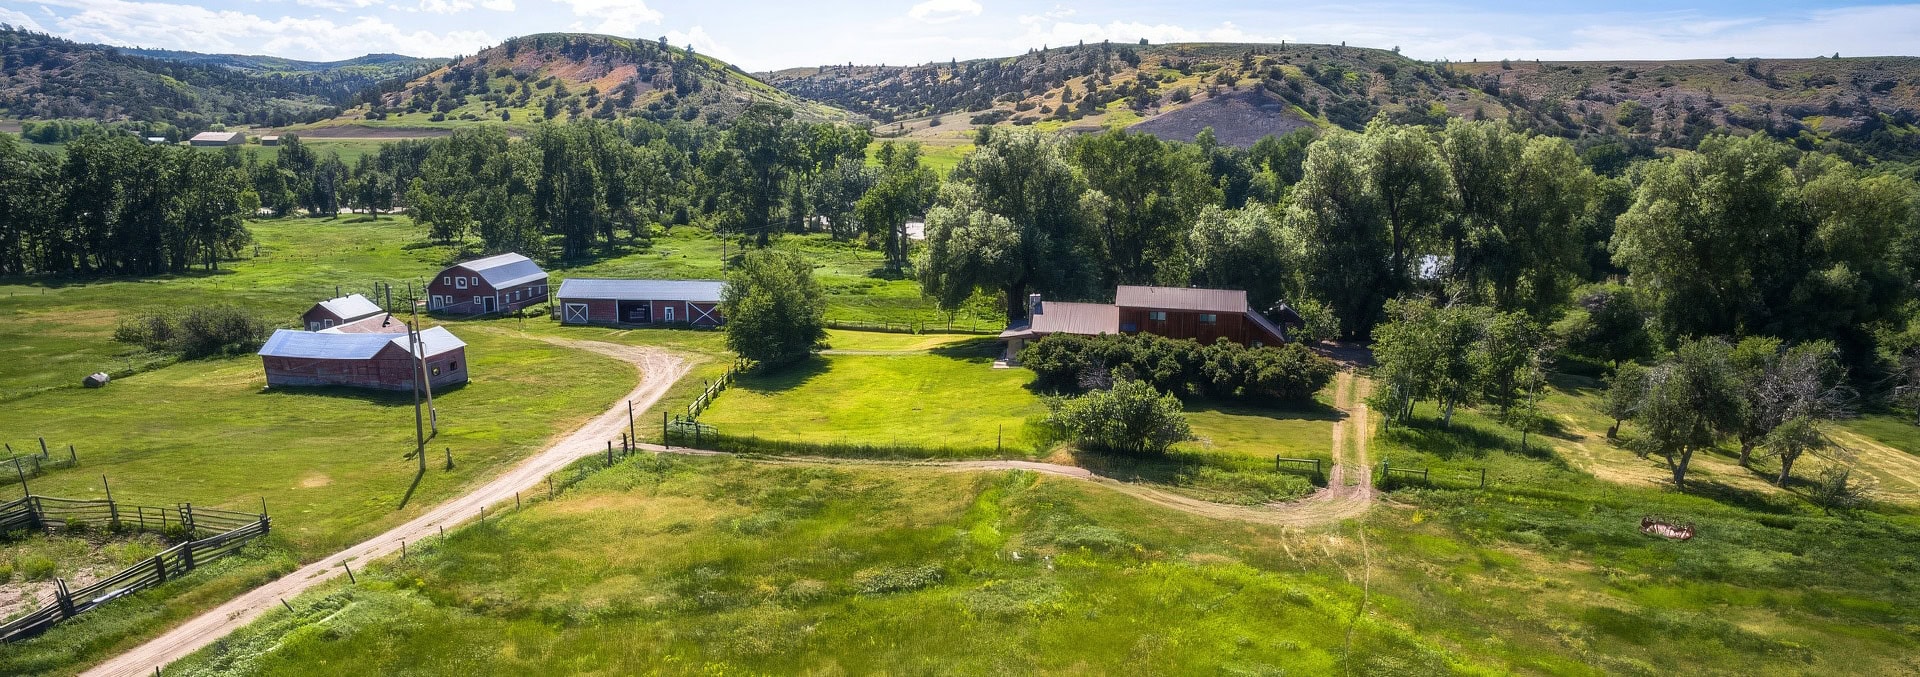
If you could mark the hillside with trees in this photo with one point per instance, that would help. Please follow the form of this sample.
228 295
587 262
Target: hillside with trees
565 76
42 76
1865 107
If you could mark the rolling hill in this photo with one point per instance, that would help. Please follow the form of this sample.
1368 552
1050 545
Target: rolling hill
563 76
1245 91
46 77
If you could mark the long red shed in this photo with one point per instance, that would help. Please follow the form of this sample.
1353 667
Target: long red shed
640 302
362 360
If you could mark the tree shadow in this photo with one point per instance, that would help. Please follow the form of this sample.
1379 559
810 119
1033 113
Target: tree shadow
983 349
1273 409
1727 494
1463 440
784 378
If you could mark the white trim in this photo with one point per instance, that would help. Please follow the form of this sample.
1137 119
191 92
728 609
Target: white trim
666 313
460 282
567 313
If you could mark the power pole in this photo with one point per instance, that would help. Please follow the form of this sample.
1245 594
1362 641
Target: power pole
419 428
426 382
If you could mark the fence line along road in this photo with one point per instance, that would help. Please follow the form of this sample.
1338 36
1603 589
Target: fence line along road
658 371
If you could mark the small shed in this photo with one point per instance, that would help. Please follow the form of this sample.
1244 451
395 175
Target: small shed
378 361
338 311
270 140
218 139
640 302
96 379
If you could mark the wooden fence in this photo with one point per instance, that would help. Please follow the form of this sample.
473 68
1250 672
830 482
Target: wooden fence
225 531
915 326
1300 464
700 404
32 465
1387 471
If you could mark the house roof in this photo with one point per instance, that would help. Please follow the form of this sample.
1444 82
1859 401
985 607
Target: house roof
505 270
703 291
1182 298
215 136
371 324
1060 317
350 307
343 346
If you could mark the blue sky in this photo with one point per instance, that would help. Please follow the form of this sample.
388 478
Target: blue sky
766 34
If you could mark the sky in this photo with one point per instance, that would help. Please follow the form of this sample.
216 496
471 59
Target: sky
771 34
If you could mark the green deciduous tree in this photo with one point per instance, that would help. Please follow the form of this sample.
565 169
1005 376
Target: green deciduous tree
1130 418
1691 401
774 308
1009 221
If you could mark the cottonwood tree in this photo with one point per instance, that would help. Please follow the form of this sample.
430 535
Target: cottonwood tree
1337 215
903 189
1520 204
1432 352
1009 220
1147 192
1624 391
774 308
1243 249
1779 384
1410 183
1691 401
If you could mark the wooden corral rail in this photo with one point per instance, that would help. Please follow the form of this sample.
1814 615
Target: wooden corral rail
1387 470
912 327
700 404
1299 464
228 531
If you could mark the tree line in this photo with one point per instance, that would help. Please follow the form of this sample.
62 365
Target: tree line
111 204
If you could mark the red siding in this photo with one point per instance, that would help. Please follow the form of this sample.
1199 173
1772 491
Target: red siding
392 369
1186 324
607 312
460 301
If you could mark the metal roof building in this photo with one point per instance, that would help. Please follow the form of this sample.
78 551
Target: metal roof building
640 302
382 361
506 270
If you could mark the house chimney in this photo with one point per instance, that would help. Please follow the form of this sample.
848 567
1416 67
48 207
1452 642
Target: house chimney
1033 305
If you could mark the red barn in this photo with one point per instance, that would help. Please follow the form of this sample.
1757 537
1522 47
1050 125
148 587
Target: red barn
1205 315
640 302
335 312
495 284
362 360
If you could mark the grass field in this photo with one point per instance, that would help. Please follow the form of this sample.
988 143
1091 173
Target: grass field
796 569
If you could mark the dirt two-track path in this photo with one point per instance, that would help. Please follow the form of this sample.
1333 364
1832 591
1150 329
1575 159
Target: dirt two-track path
658 371
1348 494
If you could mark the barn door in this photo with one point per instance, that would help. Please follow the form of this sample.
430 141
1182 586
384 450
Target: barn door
576 313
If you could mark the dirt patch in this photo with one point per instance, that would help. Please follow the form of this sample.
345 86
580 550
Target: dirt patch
1238 119
315 481
364 132
10 126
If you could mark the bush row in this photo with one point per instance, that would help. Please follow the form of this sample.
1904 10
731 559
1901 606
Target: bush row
1071 363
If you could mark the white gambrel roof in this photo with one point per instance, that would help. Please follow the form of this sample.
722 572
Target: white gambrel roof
505 270
317 345
351 307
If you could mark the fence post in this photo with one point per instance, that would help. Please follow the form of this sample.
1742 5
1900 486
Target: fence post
73 457
1483 478
664 440
160 567
186 557
43 447
113 511
186 518
63 597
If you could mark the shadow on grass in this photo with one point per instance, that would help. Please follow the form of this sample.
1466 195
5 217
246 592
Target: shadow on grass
983 349
1301 411
1181 468
1748 499
384 398
781 379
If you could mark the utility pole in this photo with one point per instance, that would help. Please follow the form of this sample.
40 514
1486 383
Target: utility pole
419 430
426 381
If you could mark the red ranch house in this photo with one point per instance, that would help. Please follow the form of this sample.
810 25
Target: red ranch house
640 302
380 361
1205 315
495 284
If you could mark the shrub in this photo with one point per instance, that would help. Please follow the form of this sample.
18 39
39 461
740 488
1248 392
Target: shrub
775 309
36 567
896 579
1070 363
197 331
1131 418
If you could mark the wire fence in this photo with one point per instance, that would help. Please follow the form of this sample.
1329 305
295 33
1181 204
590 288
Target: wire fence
211 534
32 465
972 326
714 388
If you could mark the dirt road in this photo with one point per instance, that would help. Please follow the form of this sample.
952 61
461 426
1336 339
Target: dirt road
658 371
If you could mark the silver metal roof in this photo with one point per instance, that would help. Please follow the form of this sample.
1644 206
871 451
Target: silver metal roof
702 291
1181 298
316 345
216 136
350 307
505 270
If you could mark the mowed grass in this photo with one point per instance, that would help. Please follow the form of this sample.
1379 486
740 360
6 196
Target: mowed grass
953 400
666 565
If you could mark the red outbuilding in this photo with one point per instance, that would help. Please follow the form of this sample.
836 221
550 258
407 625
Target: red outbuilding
336 312
382 361
495 284
693 303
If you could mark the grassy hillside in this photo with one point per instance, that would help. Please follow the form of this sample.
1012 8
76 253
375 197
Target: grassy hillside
1244 91
562 76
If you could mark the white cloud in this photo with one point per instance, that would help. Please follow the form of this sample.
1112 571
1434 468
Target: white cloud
703 43
19 20
337 5
617 17
498 5
942 11
175 26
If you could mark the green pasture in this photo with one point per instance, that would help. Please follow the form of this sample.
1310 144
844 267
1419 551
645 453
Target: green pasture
768 569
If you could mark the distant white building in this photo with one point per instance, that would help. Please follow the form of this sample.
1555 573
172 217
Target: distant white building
218 139
156 139
270 141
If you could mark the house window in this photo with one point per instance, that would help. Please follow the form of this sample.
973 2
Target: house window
1207 318
446 280
1157 315
326 323
460 283
453 366
1129 327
